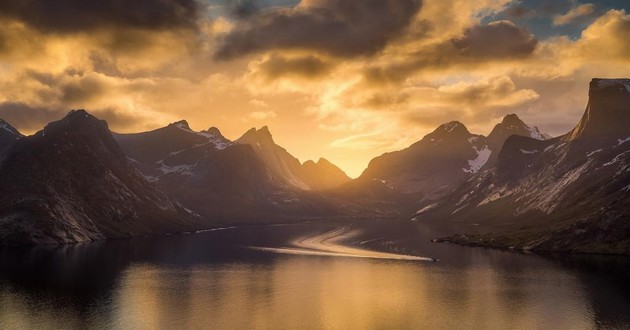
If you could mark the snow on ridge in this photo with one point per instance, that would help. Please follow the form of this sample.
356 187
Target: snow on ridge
4 125
476 164
534 132
528 152
450 126
593 152
183 126
622 141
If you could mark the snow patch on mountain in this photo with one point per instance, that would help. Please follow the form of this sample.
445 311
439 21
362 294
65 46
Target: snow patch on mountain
476 164
528 152
534 132
4 126
219 142
213 137
616 159
427 208
593 152
622 141
449 127
184 169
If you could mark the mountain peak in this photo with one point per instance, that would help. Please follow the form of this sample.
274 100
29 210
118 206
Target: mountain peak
511 119
78 114
182 124
78 120
257 135
618 85
214 131
452 128
607 113
513 125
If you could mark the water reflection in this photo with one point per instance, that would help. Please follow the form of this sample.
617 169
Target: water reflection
211 281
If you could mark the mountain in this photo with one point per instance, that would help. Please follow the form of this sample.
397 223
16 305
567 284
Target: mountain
308 176
444 159
71 183
203 170
217 178
570 193
8 135
322 175
510 125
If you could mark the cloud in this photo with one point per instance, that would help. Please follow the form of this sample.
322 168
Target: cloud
582 10
259 103
276 66
262 115
518 11
500 39
31 118
336 27
605 40
477 46
71 16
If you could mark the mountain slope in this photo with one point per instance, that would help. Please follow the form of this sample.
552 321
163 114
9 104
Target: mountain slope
8 135
308 176
71 183
203 170
216 178
567 193
444 159
322 175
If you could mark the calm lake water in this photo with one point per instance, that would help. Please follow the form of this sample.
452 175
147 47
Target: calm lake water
215 280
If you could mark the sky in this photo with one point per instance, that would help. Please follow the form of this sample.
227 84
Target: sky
341 79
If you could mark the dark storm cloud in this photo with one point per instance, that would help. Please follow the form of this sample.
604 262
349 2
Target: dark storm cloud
482 44
307 67
502 39
27 117
67 16
518 11
343 28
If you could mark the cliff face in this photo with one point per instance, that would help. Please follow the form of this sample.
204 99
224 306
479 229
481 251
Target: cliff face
567 193
71 183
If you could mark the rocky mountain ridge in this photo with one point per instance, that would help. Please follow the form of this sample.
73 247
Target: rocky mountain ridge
70 182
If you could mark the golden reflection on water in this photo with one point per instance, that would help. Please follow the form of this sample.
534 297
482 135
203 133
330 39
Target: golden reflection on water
335 293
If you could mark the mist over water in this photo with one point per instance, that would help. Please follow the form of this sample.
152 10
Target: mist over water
216 280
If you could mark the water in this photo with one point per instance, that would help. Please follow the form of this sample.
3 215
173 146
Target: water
215 280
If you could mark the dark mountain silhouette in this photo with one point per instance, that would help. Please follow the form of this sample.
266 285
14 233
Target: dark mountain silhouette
567 193
218 178
8 136
71 183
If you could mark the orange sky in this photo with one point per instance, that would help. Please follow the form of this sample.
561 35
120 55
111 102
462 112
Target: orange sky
343 80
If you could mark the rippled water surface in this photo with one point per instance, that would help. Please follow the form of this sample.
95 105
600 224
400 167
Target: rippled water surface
217 280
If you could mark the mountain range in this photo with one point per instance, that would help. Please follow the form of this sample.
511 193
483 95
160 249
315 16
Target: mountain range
77 181
569 193
70 182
